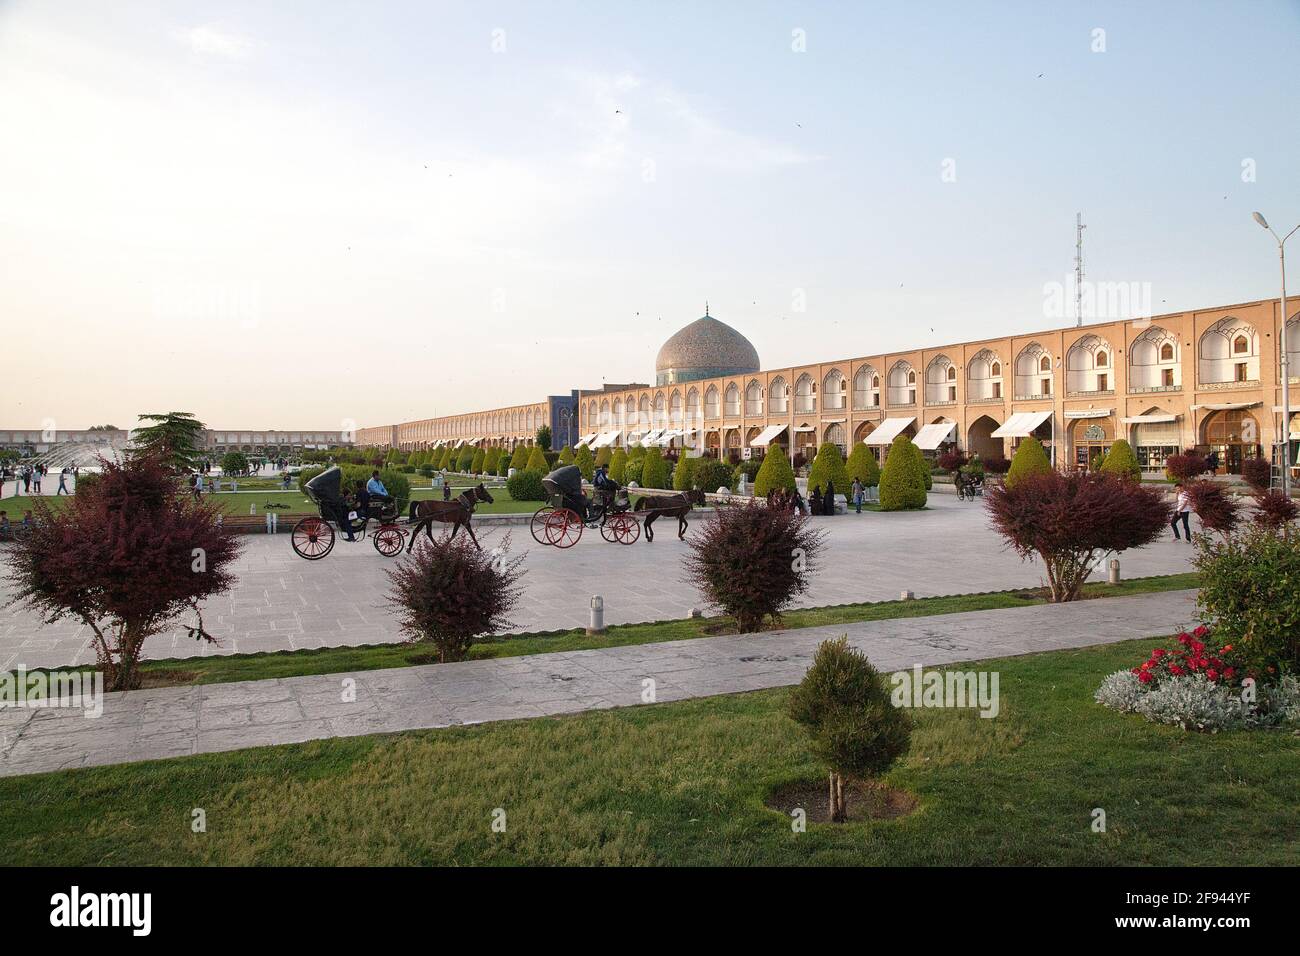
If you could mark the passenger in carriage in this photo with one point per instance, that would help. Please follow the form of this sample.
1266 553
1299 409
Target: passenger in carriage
377 489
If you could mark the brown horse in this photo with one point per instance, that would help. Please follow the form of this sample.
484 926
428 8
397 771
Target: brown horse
458 511
668 506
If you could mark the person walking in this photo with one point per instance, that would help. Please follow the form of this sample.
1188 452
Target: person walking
63 483
1181 511
446 490
36 479
857 494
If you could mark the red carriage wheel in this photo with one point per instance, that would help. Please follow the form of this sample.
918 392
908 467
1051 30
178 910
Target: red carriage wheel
389 540
607 530
563 528
312 538
538 525
626 529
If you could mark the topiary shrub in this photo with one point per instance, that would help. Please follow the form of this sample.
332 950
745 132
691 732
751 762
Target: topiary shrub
752 561
828 466
491 461
566 455
902 480
526 485
476 463
617 464
775 474
519 457
654 470
603 456
632 470
854 727
710 474
683 472
465 458
1249 598
862 465
1121 461
449 593
586 462
503 466
1030 459
537 461
1258 473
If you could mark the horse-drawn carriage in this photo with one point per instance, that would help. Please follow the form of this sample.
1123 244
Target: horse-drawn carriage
313 537
567 511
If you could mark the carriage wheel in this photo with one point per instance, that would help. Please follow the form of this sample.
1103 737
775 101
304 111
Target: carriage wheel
389 540
626 529
312 538
607 529
538 525
563 528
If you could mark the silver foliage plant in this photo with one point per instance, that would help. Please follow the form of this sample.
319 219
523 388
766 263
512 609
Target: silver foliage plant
1194 703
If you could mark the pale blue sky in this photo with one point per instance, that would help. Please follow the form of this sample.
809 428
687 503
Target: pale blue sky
219 206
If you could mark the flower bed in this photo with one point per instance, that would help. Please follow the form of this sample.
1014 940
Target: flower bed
1197 686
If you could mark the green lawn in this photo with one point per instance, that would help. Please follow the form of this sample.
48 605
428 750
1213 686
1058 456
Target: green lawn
236 667
685 784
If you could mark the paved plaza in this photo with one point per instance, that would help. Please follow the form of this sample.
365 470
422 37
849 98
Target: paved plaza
285 603
177 721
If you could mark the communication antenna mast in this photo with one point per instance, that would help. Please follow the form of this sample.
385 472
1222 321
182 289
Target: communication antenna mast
1078 267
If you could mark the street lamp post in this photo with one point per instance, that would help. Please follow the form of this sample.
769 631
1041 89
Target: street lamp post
1286 364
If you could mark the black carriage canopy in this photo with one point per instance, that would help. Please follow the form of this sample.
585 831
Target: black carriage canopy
565 481
327 486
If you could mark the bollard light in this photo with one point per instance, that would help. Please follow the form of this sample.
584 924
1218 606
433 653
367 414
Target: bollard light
597 623
1114 570
906 596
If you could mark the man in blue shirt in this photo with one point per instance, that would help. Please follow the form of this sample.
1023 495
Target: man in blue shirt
376 487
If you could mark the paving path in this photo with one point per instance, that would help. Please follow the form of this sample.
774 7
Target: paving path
172 722
282 602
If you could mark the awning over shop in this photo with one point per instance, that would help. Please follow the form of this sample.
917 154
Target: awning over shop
606 438
650 437
804 428
1021 424
1088 412
667 436
931 437
766 436
888 430
1227 406
1149 419
586 439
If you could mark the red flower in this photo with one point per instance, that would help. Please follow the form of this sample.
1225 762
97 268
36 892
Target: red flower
1212 674
1175 670
1201 631
1158 652
1229 673
1145 677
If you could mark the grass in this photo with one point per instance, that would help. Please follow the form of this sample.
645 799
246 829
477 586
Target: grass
225 668
685 784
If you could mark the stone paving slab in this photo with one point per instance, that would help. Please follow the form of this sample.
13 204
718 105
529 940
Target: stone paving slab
282 602
170 722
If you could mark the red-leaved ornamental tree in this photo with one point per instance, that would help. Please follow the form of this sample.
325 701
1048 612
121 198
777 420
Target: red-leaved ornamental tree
1186 466
127 555
1275 510
1218 510
752 561
1071 522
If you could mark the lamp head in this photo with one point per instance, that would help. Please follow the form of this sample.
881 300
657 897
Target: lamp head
1260 219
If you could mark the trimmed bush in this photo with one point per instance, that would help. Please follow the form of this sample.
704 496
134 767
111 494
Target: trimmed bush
853 725
491 461
683 472
996 465
1121 461
1030 459
1184 467
519 457
1274 510
543 437
566 455
710 474
632 470
537 461
774 474
585 461
604 456
503 466
828 465
654 470
617 464
743 561
450 592
1218 510
952 461
1258 473
476 464
863 466
526 485
465 458
902 481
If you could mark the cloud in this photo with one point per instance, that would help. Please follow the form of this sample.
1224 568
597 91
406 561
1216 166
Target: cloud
209 41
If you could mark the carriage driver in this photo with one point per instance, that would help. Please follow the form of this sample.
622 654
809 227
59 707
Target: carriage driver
377 489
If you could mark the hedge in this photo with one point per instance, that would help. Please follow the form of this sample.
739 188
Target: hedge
710 474
526 485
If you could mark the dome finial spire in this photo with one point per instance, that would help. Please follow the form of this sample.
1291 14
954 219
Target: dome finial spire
706 308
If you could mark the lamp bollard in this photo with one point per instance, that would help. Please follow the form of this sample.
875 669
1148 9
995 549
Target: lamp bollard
252 508
272 522
1114 571
906 596
597 623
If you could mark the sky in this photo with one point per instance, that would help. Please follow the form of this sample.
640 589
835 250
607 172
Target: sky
300 214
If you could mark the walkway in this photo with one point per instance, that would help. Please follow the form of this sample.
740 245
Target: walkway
172 722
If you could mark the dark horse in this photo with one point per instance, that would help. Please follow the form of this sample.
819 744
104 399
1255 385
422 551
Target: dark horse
457 511
668 506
